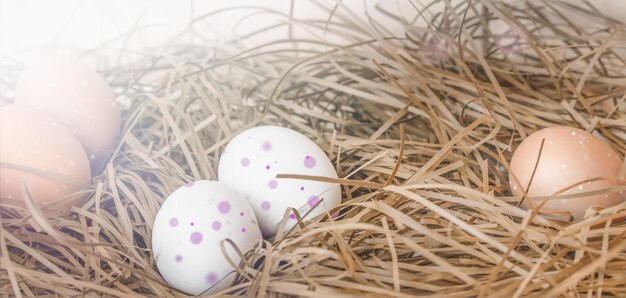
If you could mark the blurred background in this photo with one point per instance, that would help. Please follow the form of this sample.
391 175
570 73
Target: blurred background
118 32
30 28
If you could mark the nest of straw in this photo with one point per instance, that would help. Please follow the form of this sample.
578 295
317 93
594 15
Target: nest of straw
420 127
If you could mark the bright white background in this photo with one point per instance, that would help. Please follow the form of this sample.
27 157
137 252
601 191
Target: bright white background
29 28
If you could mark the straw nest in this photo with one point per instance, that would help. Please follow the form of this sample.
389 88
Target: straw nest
420 127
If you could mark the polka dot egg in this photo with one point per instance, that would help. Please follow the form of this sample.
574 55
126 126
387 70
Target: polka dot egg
250 164
188 230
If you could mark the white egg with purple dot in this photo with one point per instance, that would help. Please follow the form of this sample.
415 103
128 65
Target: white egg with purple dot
252 160
188 230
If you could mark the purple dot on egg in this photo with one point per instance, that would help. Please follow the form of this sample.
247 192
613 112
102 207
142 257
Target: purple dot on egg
189 184
216 225
309 162
301 187
266 205
273 184
312 201
243 230
267 146
245 161
211 278
195 237
173 221
191 224
241 213
223 207
267 167
178 258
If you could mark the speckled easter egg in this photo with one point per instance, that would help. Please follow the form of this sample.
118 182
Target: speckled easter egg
188 230
54 163
250 164
572 161
76 95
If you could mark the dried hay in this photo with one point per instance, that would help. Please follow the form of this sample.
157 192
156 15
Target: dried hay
420 128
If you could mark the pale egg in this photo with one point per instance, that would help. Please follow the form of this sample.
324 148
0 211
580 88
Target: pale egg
253 159
76 95
571 161
189 230
45 147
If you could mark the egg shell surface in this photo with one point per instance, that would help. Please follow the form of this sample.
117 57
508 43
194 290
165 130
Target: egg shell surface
38 141
569 158
188 230
251 161
77 95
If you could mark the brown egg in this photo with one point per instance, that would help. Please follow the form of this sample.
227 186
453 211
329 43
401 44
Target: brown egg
76 95
569 158
37 141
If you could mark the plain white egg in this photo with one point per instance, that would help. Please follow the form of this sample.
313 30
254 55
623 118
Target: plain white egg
250 164
188 230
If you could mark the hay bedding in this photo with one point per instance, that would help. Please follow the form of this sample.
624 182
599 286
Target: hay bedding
420 128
